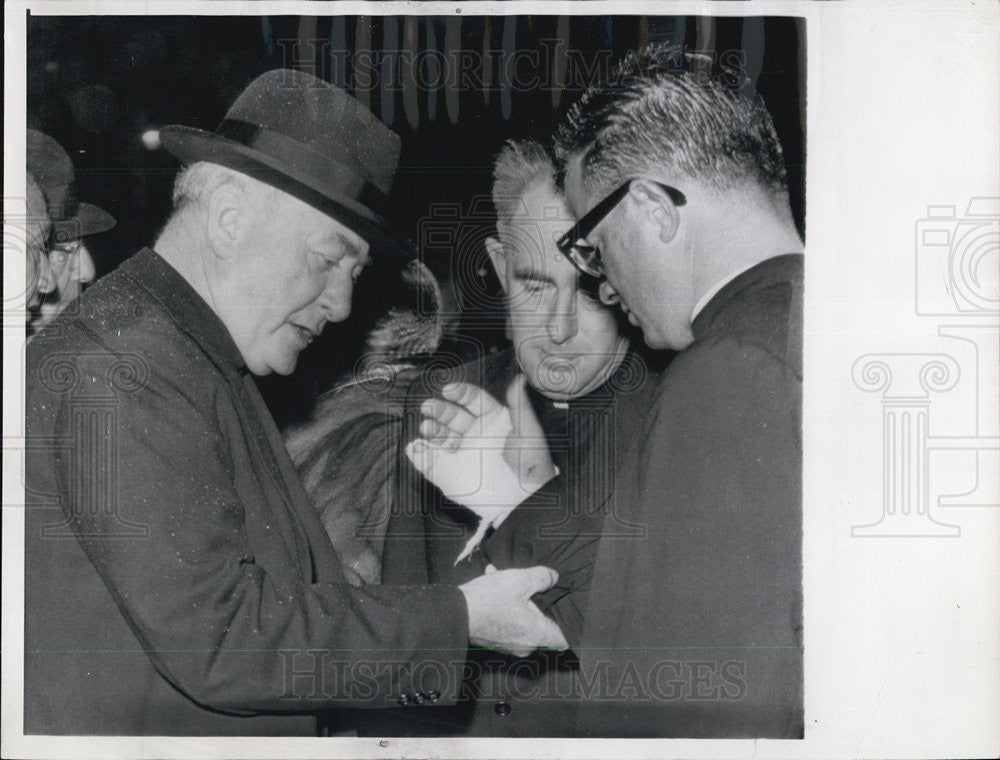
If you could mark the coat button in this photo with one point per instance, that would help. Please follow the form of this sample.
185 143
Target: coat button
502 709
433 695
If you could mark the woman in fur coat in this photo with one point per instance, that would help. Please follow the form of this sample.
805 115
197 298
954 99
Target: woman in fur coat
347 451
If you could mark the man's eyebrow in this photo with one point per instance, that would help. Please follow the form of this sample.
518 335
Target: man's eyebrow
353 248
340 238
527 273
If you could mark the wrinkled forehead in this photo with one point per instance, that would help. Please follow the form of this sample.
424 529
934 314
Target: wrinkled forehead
337 235
320 230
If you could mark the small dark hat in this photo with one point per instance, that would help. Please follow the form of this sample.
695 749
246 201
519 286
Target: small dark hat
312 140
53 170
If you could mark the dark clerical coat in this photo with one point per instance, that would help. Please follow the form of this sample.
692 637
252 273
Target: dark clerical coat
559 526
694 624
177 579
681 596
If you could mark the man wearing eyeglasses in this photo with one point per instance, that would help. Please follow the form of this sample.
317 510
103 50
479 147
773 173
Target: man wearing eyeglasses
679 187
68 261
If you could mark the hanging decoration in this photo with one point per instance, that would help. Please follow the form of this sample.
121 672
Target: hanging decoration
387 69
452 53
560 61
751 56
487 63
305 55
338 51
507 62
705 35
267 32
433 71
408 73
362 56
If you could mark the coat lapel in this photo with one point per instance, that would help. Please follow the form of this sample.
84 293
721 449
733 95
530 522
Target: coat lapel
299 527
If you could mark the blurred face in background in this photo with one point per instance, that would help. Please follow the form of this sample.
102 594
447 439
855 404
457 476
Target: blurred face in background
72 268
567 342
38 280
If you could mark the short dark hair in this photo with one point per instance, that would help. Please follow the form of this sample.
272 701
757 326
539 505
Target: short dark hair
661 108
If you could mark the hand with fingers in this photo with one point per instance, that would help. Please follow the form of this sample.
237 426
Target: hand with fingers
502 615
526 451
481 454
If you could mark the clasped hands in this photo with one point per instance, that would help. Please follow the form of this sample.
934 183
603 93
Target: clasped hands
489 458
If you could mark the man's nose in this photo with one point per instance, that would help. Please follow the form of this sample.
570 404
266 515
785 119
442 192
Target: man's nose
562 323
336 299
607 293
84 271
46 277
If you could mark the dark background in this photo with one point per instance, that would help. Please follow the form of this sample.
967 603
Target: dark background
97 84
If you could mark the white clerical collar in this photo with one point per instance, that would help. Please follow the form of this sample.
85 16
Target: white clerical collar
714 290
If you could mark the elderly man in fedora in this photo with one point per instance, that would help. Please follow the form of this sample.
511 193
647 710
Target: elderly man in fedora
178 581
67 259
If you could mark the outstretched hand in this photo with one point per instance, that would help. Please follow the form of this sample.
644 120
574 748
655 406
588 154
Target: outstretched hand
481 454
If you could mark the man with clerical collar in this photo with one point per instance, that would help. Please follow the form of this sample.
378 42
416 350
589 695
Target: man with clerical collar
679 188
569 387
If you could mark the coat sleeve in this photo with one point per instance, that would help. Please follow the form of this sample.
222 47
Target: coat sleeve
212 617
522 541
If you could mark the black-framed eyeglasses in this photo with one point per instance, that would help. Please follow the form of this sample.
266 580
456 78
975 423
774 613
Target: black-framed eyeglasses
573 243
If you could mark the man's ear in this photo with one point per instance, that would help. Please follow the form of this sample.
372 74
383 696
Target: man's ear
227 213
658 207
499 259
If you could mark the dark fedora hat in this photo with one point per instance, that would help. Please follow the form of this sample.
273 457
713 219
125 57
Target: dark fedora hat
311 140
52 169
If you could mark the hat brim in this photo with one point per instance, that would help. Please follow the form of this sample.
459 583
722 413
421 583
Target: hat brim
88 220
191 145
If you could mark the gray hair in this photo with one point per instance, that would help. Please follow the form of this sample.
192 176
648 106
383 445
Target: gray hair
521 164
660 109
196 183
